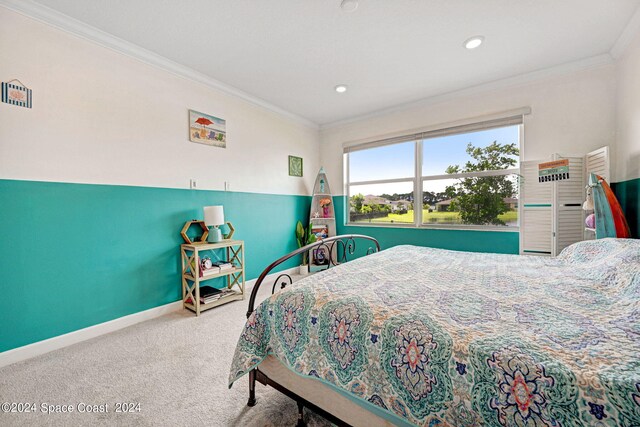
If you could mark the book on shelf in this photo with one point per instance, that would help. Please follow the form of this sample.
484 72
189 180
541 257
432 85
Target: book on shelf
210 294
207 291
209 271
205 267
223 293
223 265
321 231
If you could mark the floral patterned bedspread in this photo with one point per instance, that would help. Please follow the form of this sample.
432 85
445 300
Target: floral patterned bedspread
439 337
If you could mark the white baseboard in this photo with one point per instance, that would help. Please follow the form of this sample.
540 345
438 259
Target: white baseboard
41 347
55 343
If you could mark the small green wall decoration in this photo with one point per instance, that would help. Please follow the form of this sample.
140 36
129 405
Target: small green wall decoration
295 166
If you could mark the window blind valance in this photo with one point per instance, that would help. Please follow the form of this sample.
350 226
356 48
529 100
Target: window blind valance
517 118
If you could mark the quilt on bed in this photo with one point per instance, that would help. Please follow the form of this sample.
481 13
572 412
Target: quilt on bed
437 337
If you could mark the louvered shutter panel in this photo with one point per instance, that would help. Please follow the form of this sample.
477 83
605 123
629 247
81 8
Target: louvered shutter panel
598 162
569 196
552 217
536 220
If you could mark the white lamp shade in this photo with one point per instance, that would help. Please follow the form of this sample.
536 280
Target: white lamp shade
213 215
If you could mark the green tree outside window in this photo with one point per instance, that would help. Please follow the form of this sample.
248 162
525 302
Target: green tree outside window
480 200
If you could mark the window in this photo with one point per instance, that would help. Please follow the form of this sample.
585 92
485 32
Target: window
458 177
382 184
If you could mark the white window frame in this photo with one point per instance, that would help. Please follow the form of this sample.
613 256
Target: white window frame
507 119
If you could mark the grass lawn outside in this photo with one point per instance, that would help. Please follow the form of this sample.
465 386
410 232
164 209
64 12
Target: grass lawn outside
510 217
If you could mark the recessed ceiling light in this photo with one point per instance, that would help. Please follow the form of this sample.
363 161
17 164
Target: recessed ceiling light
473 42
341 88
349 5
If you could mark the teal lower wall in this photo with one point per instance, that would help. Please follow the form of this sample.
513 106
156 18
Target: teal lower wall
506 242
628 194
75 255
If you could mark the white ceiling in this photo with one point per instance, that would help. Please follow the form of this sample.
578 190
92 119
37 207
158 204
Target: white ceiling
291 53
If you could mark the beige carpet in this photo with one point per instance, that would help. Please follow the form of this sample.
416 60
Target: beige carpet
175 366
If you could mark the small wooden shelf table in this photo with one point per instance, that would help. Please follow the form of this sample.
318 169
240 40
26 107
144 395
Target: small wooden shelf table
190 255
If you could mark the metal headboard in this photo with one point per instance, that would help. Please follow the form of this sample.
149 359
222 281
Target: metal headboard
338 248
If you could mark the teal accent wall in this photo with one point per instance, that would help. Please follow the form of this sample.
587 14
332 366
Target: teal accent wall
506 242
75 255
628 194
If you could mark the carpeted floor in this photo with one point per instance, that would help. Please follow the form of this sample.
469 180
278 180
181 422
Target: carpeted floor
176 367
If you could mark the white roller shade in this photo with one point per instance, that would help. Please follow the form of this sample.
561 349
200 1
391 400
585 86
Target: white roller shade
515 118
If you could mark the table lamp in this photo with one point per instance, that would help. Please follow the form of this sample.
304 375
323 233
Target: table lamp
214 217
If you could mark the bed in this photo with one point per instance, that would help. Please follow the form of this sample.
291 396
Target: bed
420 336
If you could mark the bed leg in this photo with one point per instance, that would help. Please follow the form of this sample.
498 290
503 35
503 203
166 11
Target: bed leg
252 388
301 422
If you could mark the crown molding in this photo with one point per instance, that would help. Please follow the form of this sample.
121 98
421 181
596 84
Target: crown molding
78 28
628 35
519 80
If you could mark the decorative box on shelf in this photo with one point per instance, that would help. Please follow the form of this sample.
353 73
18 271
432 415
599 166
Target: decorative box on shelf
194 273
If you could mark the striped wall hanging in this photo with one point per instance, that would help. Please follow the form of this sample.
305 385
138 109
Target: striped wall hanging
15 92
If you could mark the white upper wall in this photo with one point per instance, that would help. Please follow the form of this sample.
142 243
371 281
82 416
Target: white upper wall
302 49
102 117
570 114
627 164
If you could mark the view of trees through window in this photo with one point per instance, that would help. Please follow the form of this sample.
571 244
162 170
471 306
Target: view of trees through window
467 179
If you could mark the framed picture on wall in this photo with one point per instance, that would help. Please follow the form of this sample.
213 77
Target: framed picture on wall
15 93
295 166
207 129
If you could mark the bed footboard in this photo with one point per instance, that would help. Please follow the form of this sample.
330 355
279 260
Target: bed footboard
339 249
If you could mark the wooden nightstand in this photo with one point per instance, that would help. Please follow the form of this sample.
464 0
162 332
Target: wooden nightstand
192 278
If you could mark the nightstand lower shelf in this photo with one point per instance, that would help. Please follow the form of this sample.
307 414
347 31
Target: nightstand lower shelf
223 300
